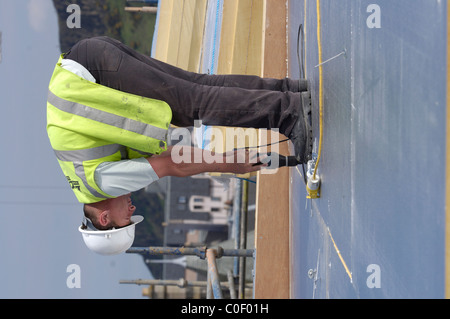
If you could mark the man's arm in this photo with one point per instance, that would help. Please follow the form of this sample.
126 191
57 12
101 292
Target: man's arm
237 162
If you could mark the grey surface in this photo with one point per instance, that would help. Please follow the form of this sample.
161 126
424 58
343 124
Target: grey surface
383 158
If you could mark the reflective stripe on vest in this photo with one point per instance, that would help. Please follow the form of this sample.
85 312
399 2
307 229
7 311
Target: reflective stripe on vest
90 153
78 156
106 118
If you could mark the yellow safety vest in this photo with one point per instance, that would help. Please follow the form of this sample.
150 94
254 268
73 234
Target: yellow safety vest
88 124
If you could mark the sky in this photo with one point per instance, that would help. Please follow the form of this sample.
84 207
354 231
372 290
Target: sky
39 239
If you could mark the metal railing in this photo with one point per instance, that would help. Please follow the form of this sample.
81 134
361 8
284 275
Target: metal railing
213 285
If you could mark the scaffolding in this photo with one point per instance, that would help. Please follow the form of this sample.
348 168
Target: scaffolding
240 253
213 284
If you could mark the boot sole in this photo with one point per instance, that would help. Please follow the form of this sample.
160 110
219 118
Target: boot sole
307 116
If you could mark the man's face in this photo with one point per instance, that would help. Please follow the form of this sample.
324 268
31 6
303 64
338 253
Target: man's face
120 210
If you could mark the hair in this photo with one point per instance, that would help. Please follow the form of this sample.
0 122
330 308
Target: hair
92 211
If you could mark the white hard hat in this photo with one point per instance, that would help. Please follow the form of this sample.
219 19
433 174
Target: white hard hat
109 242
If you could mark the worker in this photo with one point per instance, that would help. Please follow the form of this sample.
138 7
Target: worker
109 109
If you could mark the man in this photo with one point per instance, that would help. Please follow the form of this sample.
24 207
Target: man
109 109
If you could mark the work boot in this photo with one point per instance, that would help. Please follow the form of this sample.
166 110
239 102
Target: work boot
295 85
302 85
301 134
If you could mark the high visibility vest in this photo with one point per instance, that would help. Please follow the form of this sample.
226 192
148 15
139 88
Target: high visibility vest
88 124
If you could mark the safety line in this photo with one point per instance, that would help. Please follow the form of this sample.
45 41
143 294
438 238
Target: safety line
320 65
340 256
319 45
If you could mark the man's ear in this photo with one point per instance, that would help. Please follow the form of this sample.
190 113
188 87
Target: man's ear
103 218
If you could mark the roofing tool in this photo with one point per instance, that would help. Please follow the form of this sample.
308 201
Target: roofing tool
279 160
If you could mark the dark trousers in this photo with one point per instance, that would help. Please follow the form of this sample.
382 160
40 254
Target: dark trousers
224 100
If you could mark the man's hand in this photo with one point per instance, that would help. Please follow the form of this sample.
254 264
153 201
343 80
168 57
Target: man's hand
236 162
243 161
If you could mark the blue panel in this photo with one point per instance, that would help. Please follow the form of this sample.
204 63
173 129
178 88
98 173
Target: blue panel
383 158
211 38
